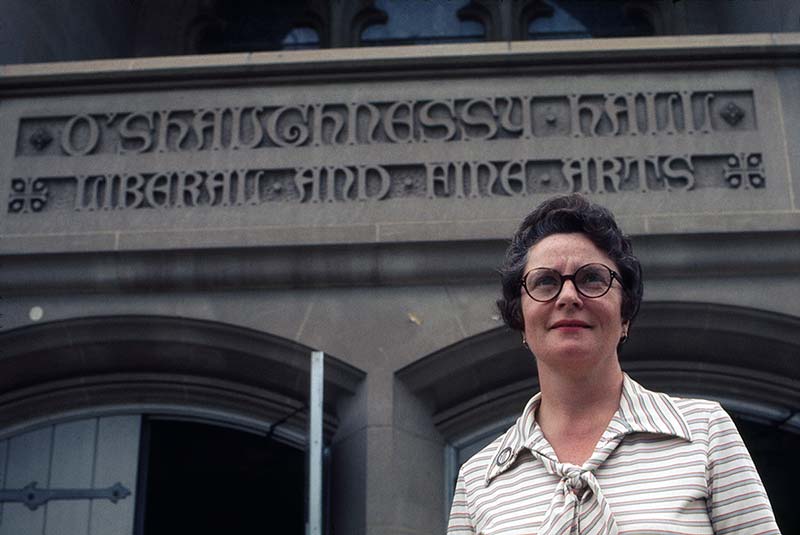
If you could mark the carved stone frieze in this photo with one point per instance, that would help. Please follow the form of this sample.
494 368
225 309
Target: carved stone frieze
732 113
27 195
745 170
443 120
471 179
40 139
425 148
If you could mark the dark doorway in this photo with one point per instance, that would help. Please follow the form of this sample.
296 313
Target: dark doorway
205 480
774 451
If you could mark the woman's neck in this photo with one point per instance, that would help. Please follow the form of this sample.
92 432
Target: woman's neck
574 411
577 395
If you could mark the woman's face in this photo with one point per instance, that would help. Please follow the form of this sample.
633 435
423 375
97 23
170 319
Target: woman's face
572 332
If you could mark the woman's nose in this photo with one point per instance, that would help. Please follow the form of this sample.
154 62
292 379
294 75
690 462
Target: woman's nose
569 294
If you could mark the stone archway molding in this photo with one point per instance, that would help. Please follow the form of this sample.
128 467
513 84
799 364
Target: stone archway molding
147 362
747 358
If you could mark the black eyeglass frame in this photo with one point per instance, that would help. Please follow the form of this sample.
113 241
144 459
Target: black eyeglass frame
614 275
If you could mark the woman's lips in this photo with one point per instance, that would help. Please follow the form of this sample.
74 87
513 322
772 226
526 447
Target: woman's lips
570 324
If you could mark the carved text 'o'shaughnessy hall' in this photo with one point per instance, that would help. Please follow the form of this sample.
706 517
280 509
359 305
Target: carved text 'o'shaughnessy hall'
593 143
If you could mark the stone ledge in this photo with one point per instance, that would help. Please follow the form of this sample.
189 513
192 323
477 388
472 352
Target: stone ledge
362 234
368 264
373 62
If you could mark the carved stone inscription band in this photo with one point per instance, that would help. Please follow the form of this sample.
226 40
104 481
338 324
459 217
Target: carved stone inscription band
403 121
445 123
458 179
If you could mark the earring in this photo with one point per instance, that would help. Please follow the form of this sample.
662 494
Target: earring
525 343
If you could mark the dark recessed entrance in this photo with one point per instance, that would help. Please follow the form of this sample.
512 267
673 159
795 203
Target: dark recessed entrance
206 479
774 453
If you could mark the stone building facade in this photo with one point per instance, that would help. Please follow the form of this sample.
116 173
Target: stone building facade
177 233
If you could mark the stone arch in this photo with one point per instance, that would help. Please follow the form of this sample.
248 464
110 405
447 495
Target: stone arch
747 358
148 362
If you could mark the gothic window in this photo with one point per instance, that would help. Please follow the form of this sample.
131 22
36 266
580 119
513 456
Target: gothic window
258 26
577 19
421 22
301 38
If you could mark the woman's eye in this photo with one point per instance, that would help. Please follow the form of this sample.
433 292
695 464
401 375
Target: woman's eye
544 280
592 276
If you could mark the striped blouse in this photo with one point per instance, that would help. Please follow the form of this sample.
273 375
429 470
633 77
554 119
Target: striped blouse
663 466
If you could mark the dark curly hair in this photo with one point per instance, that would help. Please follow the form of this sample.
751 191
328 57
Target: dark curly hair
562 215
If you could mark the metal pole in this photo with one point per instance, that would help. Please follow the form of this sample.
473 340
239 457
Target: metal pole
315 445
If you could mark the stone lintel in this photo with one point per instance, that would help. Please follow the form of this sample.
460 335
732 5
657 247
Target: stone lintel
354 265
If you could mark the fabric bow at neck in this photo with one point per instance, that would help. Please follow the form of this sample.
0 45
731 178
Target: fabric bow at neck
578 506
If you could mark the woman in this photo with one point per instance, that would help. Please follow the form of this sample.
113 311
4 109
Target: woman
594 452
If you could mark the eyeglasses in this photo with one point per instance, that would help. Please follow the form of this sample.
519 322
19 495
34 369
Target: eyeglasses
591 280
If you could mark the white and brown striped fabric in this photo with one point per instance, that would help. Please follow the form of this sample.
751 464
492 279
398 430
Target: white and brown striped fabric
664 466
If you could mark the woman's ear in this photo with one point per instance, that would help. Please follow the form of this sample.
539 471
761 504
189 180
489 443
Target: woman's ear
623 337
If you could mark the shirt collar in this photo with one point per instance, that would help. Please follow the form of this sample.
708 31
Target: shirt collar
643 411
640 411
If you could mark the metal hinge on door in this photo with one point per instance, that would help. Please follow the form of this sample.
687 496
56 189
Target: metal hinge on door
33 497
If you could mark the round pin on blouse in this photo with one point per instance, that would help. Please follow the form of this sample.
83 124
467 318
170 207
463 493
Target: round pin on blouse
504 456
